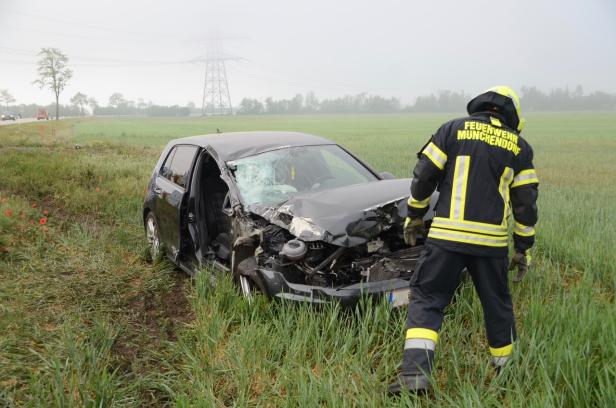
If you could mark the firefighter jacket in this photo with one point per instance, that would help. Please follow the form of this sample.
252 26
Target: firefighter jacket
483 171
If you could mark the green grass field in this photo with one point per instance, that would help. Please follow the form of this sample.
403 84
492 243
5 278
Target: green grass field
86 321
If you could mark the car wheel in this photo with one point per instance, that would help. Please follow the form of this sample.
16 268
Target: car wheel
153 236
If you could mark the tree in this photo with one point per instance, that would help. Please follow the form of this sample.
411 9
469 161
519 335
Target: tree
117 99
53 72
141 105
250 106
296 105
79 100
92 103
6 97
311 103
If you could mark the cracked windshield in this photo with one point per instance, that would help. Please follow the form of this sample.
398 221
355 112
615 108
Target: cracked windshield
274 177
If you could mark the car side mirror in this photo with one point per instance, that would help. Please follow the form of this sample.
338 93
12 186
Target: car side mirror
385 175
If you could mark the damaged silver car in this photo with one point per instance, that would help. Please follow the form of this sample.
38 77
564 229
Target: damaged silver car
292 215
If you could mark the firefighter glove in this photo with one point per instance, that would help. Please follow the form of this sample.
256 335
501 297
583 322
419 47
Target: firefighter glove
521 261
412 228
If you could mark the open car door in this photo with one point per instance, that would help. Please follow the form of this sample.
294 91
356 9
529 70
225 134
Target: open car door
210 229
171 196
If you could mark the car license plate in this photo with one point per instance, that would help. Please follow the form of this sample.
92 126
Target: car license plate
398 297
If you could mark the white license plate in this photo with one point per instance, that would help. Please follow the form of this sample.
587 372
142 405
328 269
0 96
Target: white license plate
398 297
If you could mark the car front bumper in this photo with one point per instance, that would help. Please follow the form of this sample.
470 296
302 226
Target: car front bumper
396 290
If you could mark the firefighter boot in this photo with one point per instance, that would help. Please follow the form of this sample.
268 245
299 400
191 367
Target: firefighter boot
414 383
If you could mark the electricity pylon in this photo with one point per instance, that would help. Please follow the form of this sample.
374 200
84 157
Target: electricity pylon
216 96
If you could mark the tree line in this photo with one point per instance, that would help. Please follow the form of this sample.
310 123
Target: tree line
360 103
83 105
119 105
531 99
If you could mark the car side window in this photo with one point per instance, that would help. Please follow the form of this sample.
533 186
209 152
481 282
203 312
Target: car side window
181 163
165 169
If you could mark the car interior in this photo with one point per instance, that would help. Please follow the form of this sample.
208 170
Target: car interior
213 225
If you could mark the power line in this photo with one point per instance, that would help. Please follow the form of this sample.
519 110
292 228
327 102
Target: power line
48 18
94 60
17 62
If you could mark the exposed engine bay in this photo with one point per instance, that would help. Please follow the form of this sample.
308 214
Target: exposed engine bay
338 237
322 264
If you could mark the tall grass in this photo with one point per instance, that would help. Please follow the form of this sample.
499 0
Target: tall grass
282 354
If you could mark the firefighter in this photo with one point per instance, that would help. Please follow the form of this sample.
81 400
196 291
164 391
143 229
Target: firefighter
483 170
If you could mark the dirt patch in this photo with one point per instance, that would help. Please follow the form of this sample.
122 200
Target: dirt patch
156 316
172 308
570 276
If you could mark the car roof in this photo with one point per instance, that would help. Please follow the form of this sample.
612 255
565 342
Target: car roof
236 145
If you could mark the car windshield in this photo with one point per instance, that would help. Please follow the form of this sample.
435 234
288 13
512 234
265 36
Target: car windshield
274 177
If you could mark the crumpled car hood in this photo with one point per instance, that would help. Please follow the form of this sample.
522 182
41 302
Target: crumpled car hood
344 216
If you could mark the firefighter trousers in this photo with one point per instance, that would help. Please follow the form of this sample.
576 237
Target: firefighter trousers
432 288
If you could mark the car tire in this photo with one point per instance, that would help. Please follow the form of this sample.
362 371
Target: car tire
152 235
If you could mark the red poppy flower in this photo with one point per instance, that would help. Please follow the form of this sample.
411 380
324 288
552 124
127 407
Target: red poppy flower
34 205
97 189
45 212
43 221
8 213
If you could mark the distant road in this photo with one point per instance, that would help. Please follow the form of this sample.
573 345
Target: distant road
14 122
27 120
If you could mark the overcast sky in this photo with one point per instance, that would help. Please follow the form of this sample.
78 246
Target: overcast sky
392 48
